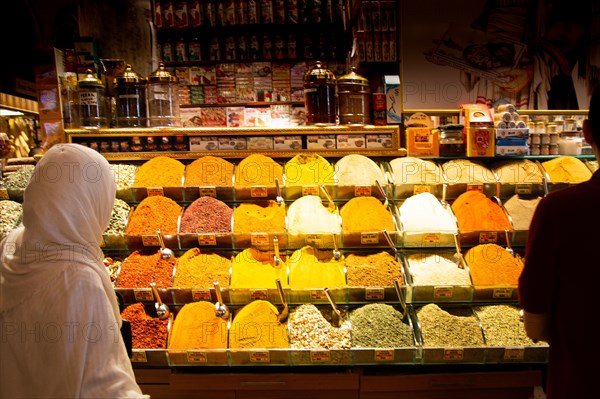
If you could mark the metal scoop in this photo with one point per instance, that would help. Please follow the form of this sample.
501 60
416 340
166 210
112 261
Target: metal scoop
456 258
279 198
383 193
276 258
336 252
390 242
162 310
400 297
165 252
283 315
329 199
508 247
220 308
336 316
444 190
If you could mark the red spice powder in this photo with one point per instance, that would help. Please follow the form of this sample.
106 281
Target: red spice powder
146 332
141 268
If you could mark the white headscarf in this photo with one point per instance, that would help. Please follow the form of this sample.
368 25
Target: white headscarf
66 208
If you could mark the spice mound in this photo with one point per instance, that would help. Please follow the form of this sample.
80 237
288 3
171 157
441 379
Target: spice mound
196 268
256 325
258 170
567 169
153 213
358 170
362 214
209 171
206 215
124 176
424 213
146 332
521 171
253 268
372 270
411 170
118 218
491 264
521 210
308 215
312 268
19 180
308 169
451 327
11 213
263 216
502 326
197 326
465 171
431 270
159 172
474 211
310 328
378 325
141 268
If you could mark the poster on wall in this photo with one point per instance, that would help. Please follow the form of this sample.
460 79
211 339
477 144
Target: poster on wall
534 54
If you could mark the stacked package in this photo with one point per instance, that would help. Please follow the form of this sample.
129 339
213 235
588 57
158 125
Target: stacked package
512 134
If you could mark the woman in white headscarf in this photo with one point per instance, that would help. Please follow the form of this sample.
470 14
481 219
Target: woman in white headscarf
59 315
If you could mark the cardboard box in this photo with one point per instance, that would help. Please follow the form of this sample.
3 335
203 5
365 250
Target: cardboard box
322 141
379 140
260 143
481 141
392 103
422 142
517 133
350 141
512 147
287 142
204 143
232 143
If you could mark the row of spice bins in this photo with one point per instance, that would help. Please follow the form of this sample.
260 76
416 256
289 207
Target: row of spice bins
371 334
486 273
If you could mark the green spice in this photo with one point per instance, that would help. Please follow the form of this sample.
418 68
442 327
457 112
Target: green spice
455 327
118 219
502 326
378 325
11 213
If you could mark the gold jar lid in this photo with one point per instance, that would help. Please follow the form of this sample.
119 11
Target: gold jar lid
319 74
161 75
129 76
353 78
90 80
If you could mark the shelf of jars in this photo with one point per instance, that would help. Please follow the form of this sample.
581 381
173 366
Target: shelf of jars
129 144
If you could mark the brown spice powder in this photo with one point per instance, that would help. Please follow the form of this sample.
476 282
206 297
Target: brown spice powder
372 270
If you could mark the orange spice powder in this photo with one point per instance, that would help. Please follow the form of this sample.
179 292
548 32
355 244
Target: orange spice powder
161 171
490 264
153 213
209 171
474 211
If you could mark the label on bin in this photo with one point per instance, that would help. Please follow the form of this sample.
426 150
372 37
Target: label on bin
3 194
139 356
310 190
361 191
475 187
318 294
259 239
258 294
421 188
201 295
488 237
208 191
313 239
454 354
374 293
432 238
320 356
514 353
152 191
258 191
260 357
443 292
369 238
384 355
197 357
207 239
502 293
523 188
143 294
150 240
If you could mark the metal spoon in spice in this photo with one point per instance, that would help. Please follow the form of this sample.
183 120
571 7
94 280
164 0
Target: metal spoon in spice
283 315
400 297
165 252
162 310
276 258
336 316
220 308
383 193
336 252
279 198
331 204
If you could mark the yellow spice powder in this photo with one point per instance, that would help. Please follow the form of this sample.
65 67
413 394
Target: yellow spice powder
490 264
264 216
208 171
567 169
201 269
256 325
197 326
313 268
308 169
161 171
362 214
253 268
258 170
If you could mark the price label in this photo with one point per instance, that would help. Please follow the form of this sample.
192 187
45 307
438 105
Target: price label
384 355
139 356
369 238
313 239
3 194
201 295
318 294
259 239
207 239
443 292
320 356
258 192
197 357
143 295
150 241
374 293
362 191
310 190
208 191
421 188
258 294
454 354
432 238
514 353
502 293
523 188
260 357
475 187
488 237
152 191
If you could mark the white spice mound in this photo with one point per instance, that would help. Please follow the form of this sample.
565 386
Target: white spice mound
424 213
411 170
309 329
465 171
429 270
358 170
521 211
